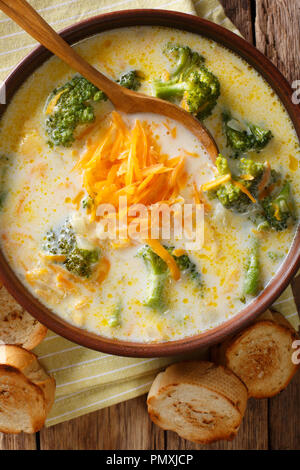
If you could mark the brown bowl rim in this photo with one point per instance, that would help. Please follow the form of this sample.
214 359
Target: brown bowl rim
274 78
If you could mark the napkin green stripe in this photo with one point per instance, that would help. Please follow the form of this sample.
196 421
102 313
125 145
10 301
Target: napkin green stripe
98 398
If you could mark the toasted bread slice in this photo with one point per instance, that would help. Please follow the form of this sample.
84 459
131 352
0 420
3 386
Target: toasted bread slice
23 366
16 325
200 401
28 364
261 355
22 403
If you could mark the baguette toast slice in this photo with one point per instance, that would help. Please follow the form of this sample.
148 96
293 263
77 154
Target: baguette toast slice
261 355
23 382
16 325
22 403
200 401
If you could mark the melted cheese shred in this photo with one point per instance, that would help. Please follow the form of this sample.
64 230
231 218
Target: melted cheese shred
124 161
129 162
166 256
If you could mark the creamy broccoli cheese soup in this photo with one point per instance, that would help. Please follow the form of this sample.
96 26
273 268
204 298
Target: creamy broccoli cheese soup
67 156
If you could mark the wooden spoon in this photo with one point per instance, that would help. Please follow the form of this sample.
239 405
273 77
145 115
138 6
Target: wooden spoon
123 99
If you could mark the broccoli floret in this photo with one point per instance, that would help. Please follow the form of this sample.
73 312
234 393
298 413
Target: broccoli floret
80 261
233 198
243 140
158 275
190 81
185 57
229 194
222 165
208 85
280 211
250 167
261 137
63 242
259 216
238 140
75 106
268 213
130 80
72 108
185 264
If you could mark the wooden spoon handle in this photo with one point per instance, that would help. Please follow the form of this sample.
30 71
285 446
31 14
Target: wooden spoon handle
26 17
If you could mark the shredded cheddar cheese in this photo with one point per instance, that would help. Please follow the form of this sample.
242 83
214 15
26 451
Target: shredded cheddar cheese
247 177
171 130
277 212
199 198
179 252
54 258
265 179
53 102
32 276
103 270
244 190
216 182
266 192
166 256
129 162
77 199
63 282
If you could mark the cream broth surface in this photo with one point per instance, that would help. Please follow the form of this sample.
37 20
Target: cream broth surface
42 187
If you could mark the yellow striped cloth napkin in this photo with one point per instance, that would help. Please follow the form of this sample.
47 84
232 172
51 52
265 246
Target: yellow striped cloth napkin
88 380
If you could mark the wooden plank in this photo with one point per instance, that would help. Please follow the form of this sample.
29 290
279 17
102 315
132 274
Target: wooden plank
296 291
17 442
123 426
253 433
240 13
284 410
284 413
278 34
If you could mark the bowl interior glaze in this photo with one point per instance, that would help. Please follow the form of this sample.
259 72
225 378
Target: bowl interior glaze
282 278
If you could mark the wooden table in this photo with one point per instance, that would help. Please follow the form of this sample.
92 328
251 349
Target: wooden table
274 27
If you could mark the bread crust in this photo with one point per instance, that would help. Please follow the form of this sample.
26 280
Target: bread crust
25 365
17 326
259 353
183 399
17 392
38 333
